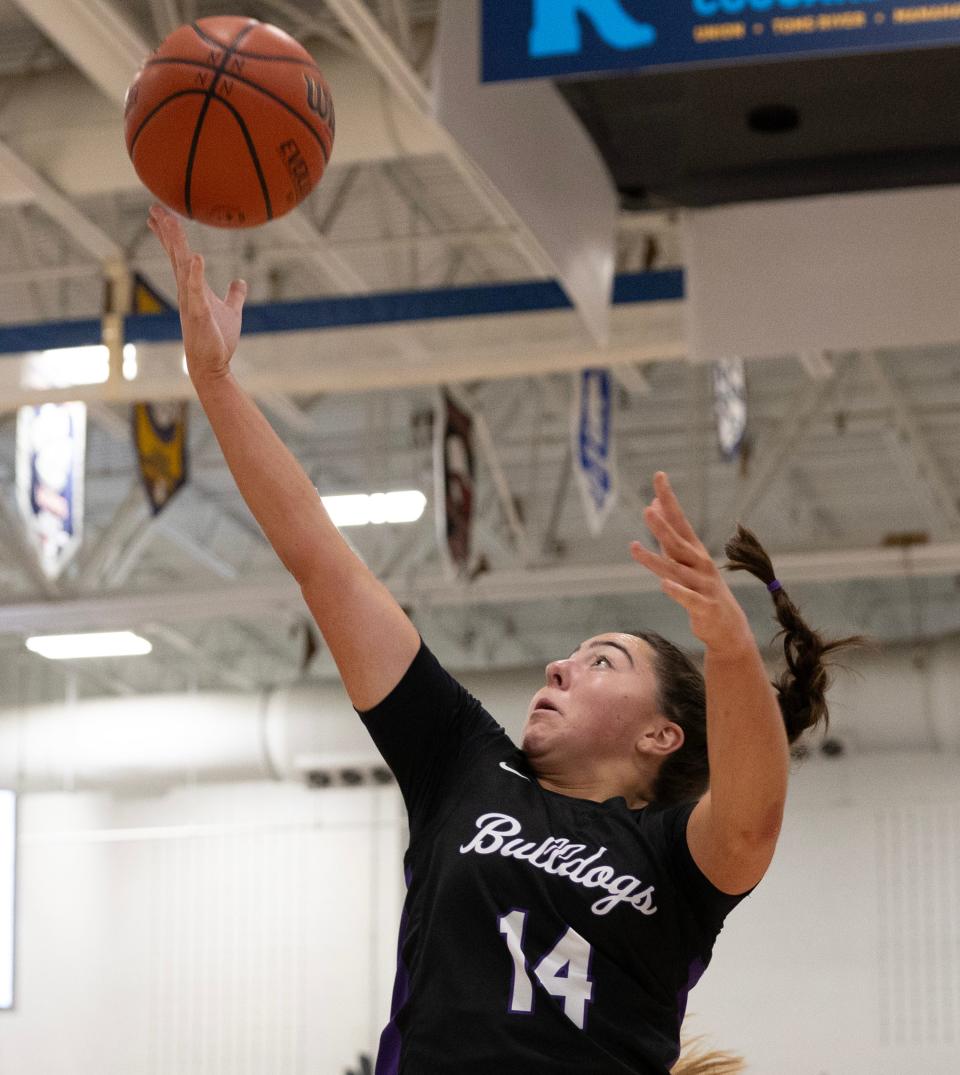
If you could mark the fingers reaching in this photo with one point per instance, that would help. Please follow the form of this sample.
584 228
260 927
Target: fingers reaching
169 231
671 509
236 295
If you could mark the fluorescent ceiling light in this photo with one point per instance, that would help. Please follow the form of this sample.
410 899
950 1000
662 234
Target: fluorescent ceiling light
101 644
64 367
130 365
405 506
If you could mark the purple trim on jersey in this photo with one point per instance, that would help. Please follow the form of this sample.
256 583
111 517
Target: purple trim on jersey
388 1055
697 967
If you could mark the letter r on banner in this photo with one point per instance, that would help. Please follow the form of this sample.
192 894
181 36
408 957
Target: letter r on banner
556 27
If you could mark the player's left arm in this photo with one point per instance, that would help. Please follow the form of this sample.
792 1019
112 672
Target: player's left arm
733 830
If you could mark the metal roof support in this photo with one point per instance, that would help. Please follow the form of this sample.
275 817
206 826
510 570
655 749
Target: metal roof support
60 208
95 36
280 593
195 655
771 461
17 551
166 17
387 58
131 516
908 444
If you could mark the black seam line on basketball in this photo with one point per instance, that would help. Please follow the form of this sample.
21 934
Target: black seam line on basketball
264 189
191 156
243 129
260 89
208 40
162 104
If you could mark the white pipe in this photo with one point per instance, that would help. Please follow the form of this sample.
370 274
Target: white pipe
893 701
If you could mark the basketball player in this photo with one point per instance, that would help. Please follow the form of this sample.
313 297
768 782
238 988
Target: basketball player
563 896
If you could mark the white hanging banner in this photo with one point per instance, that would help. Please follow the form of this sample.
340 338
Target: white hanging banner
529 144
594 455
730 404
51 450
8 886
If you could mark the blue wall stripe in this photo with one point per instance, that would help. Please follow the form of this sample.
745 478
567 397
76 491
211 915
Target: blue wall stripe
378 309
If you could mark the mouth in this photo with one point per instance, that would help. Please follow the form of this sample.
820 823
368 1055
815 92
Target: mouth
543 705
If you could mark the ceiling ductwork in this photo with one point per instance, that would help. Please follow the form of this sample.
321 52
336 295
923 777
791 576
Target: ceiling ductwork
311 734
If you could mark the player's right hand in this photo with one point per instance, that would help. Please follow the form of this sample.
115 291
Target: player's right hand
210 325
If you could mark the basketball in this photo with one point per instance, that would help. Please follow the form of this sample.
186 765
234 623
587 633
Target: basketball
229 122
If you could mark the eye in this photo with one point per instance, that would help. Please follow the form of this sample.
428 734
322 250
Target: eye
599 658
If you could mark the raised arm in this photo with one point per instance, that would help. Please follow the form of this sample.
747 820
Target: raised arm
370 637
733 830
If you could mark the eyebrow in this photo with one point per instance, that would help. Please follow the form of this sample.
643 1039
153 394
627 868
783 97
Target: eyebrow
615 645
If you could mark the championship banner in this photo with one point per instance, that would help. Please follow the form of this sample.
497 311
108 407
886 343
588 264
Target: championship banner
146 300
160 439
730 405
51 450
159 429
455 474
530 39
8 896
594 456
8 888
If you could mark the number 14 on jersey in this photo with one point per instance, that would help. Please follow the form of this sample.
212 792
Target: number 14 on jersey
564 972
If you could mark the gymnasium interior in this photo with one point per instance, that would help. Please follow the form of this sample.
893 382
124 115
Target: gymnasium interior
737 262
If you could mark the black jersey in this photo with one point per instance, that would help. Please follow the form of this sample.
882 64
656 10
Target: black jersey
540 932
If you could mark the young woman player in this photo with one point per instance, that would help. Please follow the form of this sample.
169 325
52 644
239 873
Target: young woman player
564 896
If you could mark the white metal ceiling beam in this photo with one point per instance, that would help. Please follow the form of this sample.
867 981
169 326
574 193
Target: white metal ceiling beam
195 655
280 593
59 208
97 559
400 75
323 368
166 17
923 469
771 461
17 552
96 37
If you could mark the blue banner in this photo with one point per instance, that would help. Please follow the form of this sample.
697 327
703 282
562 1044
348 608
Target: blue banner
528 39
594 447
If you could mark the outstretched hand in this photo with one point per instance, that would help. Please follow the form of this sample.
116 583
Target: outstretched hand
689 576
211 326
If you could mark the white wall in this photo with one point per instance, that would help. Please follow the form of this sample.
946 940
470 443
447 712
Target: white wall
244 930
846 960
251 928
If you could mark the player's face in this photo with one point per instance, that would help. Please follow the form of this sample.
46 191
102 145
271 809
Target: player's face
595 705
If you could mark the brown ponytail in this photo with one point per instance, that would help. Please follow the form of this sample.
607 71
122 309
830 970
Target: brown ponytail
695 1060
802 686
684 776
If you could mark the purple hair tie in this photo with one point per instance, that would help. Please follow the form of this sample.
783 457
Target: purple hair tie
775 585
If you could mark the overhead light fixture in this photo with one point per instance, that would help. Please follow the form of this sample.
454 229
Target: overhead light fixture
66 367
405 506
130 365
99 644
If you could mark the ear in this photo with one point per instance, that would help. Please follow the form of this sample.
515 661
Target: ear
660 739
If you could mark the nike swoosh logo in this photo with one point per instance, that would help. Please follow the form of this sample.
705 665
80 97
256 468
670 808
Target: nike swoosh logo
503 765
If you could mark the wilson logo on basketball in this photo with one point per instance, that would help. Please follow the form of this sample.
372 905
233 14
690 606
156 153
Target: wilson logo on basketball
320 101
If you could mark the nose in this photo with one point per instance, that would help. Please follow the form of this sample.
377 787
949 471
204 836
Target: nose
558 674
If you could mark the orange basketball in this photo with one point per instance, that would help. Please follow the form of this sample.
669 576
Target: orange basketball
229 122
